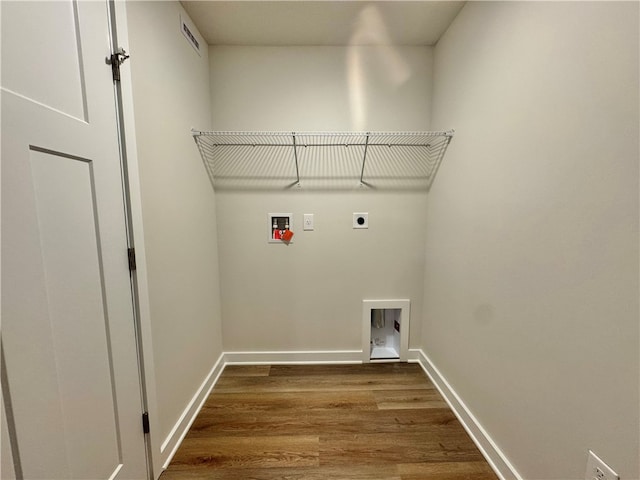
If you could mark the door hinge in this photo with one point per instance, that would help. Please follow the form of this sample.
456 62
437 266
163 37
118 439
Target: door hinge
145 422
115 60
131 253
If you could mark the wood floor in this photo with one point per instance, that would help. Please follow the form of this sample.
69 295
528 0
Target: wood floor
381 421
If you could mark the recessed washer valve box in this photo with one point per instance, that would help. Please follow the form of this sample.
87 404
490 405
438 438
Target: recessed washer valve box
280 227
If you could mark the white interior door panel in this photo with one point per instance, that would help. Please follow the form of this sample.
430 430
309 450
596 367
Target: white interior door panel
68 333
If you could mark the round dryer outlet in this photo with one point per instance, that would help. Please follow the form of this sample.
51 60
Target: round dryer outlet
361 220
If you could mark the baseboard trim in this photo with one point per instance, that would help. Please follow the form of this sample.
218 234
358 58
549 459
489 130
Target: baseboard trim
180 429
489 449
413 356
294 357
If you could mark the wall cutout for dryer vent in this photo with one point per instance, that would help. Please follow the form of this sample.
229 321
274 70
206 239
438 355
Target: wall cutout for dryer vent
385 330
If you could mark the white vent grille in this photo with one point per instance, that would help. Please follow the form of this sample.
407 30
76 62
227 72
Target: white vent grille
187 31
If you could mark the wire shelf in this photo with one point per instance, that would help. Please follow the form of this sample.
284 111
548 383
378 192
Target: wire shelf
322 159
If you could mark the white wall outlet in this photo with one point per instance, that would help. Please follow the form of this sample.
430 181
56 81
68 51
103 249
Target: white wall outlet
361 220
308 221
598 470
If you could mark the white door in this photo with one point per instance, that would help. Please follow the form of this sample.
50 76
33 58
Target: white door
71 388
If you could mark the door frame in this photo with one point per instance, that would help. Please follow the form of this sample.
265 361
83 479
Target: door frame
139 284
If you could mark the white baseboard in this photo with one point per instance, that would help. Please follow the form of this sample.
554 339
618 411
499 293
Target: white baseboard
303 357
414 355
492 453
294 357
180 429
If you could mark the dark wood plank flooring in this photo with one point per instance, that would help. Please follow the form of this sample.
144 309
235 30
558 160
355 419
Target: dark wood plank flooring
382 421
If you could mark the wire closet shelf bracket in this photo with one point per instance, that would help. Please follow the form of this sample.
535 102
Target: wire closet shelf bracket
322 159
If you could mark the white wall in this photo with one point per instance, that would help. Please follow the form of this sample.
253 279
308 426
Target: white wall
307 296
320 88
531 287
171 95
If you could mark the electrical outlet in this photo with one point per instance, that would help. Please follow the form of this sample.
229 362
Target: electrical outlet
308 221
598 470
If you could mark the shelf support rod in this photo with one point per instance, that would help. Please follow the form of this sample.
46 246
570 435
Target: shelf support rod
197 137
295 156
364 158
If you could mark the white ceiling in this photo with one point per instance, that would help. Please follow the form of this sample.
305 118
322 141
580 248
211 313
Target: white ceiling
325 22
